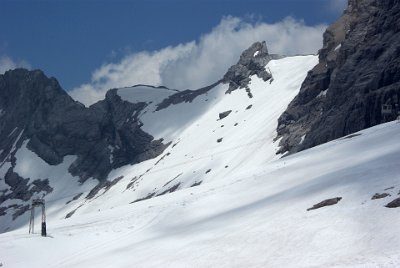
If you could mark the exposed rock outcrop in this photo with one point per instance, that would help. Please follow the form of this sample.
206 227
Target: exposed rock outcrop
327 202
224 114
358 73
394 204
379 196
252 62
185 96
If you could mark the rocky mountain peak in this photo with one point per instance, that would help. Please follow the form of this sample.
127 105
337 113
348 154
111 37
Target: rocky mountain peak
37 113
257 53
251 62
24 85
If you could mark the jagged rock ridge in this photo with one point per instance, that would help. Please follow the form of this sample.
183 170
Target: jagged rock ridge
252 62
358 73
36 109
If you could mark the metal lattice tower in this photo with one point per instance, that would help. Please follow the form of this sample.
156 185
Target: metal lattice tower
38 202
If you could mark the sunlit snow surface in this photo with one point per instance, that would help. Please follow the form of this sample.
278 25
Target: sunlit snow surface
257 218
250 209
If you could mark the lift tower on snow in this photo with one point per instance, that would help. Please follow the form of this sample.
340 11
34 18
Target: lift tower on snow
38 202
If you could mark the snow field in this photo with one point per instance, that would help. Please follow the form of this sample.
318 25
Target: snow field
258 220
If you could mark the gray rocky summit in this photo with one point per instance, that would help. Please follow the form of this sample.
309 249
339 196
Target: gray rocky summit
252 62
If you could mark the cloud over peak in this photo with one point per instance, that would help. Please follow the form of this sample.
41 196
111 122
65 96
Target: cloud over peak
7 63
199 63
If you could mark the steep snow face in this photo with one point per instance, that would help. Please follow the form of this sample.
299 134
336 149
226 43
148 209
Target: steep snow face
204 147
268 100
254 218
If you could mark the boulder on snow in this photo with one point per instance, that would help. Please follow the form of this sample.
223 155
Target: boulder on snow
224 114
394 204
196 183
327 202
379 196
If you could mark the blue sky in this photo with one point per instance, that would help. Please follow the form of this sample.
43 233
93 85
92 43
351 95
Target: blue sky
72 40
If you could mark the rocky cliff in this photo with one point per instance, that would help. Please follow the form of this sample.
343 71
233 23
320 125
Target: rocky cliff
34 108
356 84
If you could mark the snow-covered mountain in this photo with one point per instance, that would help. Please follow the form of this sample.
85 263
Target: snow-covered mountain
152 176
199 136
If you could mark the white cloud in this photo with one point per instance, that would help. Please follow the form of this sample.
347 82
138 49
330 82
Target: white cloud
6 63
199 63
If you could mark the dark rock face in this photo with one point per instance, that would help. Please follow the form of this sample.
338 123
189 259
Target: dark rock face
104 136
3 211
327 202
20 189
358 73
252 61
120 139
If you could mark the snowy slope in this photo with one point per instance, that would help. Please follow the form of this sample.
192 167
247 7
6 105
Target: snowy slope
65 186
194 155
219 196
252 218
